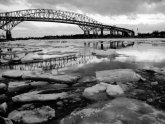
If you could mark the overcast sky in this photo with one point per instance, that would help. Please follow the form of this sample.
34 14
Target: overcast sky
146 15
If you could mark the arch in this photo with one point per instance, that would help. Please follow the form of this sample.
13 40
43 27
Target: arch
8 20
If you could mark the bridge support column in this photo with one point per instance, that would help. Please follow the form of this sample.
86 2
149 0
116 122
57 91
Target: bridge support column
122 34
86 33
132 34
115 32
125 34
111 32
102 29
8 35
95 33
118 33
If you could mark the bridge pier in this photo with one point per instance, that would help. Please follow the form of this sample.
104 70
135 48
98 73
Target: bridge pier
86 33
118 33
95 33
114 32
8 35
125 34
122 33
111 32
132 34
102 33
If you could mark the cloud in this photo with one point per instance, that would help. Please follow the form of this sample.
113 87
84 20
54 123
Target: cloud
103 7
6 2
13 5
160 7
155 1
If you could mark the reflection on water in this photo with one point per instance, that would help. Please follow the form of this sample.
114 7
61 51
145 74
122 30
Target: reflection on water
138 55
128 53
143 53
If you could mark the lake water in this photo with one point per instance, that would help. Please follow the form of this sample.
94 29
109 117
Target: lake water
144 52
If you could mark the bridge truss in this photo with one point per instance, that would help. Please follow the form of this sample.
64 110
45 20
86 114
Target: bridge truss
8 20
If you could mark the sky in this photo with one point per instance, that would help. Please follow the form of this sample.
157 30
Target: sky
144 15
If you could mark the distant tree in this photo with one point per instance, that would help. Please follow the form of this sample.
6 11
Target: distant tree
162 33
155 33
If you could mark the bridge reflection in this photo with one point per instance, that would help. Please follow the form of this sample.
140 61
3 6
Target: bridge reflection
9 59
50 64
108 44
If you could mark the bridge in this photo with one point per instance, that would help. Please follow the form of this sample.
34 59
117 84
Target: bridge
8 20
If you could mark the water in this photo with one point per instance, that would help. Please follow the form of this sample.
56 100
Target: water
144 52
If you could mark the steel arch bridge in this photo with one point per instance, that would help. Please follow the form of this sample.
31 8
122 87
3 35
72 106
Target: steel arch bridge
8 20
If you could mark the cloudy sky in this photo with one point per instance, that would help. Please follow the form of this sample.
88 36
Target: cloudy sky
146 15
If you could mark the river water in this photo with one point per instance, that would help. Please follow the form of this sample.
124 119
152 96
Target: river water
144 52
141 54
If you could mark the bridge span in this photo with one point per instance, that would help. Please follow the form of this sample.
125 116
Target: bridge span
8 20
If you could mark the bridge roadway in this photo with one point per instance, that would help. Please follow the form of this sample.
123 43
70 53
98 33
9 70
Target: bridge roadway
8 20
